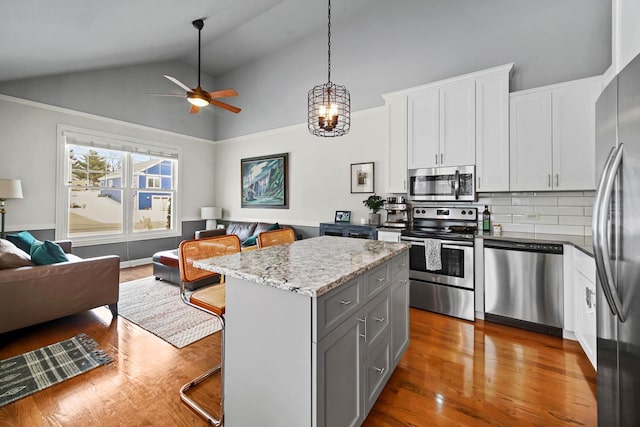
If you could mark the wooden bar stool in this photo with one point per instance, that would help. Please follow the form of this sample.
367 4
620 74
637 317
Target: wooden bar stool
210 300
276 237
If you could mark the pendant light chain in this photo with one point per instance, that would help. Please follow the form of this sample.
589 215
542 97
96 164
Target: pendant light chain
329 45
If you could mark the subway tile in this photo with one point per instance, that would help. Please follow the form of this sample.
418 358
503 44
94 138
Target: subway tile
512 209
542 219
502 201
588 231
523 194
521 228
575 220
535 201
500 219
499 195
588 210
560 193
574 230
575 201
559 210
591 193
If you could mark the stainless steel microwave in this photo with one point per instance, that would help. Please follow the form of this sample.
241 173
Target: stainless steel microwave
442 184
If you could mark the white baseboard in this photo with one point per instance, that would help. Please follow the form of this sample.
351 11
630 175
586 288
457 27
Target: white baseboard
136 262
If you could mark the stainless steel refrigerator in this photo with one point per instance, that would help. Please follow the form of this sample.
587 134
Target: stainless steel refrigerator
616 244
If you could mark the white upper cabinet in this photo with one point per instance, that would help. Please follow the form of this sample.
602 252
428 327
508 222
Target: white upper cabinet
552 137
442 126
458 124
396 177
424 129
492 131
459 121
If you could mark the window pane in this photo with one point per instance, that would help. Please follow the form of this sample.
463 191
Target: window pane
152 172
151 211
94 212
89 166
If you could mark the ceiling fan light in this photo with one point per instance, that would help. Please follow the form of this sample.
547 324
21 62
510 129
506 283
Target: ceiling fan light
198 101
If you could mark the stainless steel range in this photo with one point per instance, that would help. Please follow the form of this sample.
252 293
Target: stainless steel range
442 260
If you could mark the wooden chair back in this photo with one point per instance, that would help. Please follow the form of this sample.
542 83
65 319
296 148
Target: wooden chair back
276 237
195 250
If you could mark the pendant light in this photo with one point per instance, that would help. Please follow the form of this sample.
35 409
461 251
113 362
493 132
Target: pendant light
329 105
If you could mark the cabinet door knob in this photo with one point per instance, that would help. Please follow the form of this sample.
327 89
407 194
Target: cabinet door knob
557 180
343 302
549 180
436 158
441 158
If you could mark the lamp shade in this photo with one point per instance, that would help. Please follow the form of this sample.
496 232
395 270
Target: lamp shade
210 212
10 189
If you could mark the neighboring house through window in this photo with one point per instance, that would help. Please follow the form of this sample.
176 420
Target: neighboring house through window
114 188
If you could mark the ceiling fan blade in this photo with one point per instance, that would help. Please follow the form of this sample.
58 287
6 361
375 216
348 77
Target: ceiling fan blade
179 83
194 110
225 106
225 93
181 95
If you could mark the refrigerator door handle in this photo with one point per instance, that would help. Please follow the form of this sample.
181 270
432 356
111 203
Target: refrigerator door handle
600 241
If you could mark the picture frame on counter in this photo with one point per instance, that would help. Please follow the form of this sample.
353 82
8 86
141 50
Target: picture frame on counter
343 216
362 177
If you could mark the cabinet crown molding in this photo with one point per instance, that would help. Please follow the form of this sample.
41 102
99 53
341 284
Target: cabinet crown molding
476 74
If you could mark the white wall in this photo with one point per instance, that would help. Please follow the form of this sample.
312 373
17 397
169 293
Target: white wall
626 31
319 170
28 145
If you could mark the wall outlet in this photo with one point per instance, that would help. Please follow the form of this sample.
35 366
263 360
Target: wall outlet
533 215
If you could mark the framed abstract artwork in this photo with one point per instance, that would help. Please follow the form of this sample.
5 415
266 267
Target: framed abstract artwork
264 181
362 178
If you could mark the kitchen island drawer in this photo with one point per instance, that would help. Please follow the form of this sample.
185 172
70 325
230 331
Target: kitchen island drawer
335 306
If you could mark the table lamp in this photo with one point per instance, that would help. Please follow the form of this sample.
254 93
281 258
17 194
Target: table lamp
211 214
9 189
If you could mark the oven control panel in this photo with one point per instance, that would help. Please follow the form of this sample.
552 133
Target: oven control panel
447 213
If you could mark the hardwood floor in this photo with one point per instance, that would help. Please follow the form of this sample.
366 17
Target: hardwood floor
455 373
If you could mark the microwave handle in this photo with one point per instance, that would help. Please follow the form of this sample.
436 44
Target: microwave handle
456 185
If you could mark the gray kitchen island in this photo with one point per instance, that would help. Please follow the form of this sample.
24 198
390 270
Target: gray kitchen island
314 330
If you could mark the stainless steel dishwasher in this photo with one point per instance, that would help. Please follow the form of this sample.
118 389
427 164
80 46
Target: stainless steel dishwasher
523 285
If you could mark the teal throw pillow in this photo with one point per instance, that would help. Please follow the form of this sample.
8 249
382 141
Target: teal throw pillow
23 240
253 240
45 253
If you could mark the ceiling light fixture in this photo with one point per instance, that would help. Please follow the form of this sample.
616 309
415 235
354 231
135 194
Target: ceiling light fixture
329 105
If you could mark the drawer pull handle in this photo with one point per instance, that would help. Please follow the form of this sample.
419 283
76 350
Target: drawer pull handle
379 370
365 328
343 302
379 319
380 279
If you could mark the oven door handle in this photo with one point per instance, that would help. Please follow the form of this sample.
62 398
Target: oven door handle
451 244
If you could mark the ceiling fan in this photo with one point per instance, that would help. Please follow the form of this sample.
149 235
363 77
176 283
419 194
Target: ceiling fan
198 97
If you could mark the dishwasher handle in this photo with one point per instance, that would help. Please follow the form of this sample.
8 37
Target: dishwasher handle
543 247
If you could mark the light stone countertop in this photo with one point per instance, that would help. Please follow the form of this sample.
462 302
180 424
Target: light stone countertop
310 267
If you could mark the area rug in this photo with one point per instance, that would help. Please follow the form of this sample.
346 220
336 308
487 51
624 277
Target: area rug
36 370
156 306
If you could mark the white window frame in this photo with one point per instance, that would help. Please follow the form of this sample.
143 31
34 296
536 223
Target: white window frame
104 140
154 178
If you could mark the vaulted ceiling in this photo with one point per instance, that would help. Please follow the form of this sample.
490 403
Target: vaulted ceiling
52 37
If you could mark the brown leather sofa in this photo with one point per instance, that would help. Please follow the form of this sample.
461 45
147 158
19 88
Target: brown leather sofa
36 294
165 263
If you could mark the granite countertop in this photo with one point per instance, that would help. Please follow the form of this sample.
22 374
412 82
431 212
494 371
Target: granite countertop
583 243
310 267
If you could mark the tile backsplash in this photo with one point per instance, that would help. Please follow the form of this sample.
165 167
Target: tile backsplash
567 212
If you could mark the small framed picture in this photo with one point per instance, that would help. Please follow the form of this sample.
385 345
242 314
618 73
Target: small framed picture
343 216
362 178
